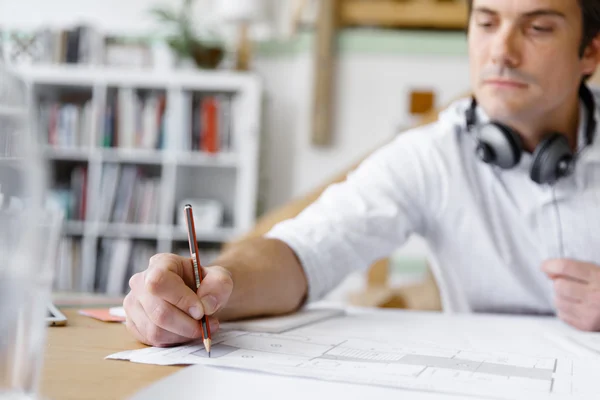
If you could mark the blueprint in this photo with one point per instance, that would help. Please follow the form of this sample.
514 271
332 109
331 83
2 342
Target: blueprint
403 363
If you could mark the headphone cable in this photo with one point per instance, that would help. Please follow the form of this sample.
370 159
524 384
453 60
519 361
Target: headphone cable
558 220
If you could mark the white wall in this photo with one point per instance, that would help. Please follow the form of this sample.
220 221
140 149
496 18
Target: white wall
131 16
110 15
371 105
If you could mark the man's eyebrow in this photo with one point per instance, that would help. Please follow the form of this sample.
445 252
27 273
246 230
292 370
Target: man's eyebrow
534 13
545 12
484 10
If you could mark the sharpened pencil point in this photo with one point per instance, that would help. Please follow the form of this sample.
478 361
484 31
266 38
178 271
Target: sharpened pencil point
209 354
207 344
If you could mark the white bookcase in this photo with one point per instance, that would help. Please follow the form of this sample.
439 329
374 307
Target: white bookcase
179 173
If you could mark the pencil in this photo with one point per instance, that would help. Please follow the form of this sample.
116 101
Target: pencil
206 340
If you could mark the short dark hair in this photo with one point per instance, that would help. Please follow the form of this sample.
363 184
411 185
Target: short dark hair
590 11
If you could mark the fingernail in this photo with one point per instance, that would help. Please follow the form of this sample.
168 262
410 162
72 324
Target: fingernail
196 312
209 303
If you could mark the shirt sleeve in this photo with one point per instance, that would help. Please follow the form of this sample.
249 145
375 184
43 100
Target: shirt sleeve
366 217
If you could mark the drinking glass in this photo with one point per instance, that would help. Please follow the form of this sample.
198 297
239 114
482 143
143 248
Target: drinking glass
29 236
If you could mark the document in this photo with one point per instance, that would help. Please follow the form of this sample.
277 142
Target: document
338 349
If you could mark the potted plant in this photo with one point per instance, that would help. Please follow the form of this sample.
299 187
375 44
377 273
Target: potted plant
183 39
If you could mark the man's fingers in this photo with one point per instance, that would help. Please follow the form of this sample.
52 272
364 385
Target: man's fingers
167 285
570 290
179 265
215 289
570 269
168 317
145 330
130 311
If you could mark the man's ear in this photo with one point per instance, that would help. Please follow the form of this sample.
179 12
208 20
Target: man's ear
591 56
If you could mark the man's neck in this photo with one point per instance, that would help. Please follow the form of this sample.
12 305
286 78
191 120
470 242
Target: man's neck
564 119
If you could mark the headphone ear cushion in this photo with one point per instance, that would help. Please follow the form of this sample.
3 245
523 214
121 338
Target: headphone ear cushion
552 159
501 145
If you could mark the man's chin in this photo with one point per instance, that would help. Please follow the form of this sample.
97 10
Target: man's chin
502 109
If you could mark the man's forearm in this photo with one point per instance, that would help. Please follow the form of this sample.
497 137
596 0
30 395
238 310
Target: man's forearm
268 279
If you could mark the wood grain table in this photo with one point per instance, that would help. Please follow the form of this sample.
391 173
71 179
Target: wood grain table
74 364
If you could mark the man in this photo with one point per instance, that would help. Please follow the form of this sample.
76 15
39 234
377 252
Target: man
505 238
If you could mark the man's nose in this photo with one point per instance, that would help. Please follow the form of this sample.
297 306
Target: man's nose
506 48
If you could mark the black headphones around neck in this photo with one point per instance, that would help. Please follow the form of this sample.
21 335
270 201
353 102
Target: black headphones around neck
500 145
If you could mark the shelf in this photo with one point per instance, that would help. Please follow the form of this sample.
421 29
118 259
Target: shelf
67 154
11 111
145 231
216 235
169 175
137 156
77 75
10 161
134 231
205 159
74 228
143 156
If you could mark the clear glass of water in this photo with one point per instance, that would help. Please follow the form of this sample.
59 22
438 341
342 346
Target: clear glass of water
29 235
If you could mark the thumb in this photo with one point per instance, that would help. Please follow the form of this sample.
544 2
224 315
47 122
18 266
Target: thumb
215 288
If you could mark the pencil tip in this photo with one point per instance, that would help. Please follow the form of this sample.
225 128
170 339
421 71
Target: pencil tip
207 345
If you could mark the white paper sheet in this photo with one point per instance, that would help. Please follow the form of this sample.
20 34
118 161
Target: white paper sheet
416 351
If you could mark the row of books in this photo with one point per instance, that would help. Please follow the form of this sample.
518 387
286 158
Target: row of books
211 120
78 45
117 260
133 120
66 125
68 275
72 195
137 120
7 143
127 196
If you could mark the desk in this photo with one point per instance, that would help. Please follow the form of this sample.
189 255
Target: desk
74 365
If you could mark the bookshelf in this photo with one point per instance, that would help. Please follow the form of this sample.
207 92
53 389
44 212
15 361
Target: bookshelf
128 147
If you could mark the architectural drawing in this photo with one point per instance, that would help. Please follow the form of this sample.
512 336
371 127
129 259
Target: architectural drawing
494 375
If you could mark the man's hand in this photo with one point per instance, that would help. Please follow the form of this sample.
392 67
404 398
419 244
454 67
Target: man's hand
577 292
163 307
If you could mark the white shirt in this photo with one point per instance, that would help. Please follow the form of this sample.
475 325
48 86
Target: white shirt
488 230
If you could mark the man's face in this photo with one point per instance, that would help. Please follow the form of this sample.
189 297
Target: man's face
524 55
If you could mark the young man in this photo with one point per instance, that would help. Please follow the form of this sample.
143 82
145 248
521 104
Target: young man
510 230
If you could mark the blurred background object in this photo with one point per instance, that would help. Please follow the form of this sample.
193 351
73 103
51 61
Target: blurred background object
241 14
183 39
29 235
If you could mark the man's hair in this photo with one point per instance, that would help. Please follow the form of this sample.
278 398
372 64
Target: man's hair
590 11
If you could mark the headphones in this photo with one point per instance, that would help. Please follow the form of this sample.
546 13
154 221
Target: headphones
500 145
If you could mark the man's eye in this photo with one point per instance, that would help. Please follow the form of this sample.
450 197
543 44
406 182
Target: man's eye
485 24
539 28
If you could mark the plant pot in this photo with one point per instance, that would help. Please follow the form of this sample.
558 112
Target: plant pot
207 57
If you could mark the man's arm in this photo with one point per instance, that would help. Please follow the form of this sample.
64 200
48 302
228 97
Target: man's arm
268 278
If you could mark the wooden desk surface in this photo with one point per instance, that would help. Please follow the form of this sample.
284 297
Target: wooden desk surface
74 364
